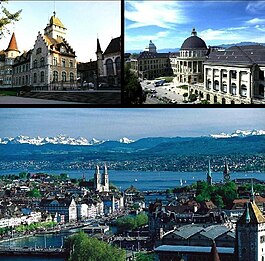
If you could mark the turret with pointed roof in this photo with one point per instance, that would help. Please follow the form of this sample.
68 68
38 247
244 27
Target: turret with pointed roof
99 54
250 233
12 44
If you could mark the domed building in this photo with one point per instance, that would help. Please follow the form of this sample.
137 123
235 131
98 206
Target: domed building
151 48
187 65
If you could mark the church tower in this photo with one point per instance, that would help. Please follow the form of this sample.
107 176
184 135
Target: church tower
226 173
99 54
250 234
209 174
97 180
105 179
55 29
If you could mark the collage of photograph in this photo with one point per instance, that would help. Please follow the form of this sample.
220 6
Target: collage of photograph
132 130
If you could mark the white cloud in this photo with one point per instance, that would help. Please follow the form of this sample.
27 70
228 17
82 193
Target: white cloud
256 7
221 34
256 21
163 14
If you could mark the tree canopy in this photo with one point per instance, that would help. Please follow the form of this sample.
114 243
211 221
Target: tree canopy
7 18
84 248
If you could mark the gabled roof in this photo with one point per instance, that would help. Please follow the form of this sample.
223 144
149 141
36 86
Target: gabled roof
251 215
12 44
114 46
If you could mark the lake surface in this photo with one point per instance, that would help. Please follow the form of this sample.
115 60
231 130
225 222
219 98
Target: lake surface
149 180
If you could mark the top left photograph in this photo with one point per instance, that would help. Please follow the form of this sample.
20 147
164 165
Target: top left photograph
60 52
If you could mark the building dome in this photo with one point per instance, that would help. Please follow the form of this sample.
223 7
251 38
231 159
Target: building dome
193 42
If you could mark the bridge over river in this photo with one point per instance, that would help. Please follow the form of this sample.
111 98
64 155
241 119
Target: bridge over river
31 251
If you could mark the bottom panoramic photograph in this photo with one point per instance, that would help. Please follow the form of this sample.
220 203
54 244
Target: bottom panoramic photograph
132 184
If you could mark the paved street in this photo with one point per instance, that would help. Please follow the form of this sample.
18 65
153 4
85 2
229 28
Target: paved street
20 100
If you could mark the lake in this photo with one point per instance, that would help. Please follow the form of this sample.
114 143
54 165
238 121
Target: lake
149 180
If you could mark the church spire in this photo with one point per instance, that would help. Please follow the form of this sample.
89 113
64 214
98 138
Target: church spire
98 47
209 173
226 172
252 196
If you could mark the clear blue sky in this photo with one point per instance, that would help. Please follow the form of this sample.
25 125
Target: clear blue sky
83 19
169 23
132 123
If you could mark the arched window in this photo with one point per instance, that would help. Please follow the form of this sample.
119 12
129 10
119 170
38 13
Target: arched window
223 101
38 51
109 65
215 99
232 102
209 84
55 76
243 90
55 61
42 77
35 78
208 97
261 90
42 61
71 77
216 85
118 65
35 64
233 88
64 76
224 87
23 80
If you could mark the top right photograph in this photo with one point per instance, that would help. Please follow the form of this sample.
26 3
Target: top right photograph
194 52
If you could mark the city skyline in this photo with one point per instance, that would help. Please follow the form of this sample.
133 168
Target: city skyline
81 18
169 23
107 123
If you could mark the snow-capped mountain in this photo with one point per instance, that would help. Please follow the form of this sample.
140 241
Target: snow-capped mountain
239 133
126 140
60 139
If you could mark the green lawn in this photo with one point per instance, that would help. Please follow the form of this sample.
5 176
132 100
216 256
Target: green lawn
8 93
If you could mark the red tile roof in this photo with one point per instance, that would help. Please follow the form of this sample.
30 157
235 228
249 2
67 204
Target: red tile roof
12 44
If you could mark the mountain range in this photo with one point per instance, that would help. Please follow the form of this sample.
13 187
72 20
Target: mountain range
81 141
63 148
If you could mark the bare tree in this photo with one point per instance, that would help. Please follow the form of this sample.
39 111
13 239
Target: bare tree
7 18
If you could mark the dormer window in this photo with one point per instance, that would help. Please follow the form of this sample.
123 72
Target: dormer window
63 50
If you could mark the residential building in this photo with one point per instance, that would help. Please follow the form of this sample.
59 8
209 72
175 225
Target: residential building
63 206
21 70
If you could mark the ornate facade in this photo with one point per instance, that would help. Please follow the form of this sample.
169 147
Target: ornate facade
53 63
234 75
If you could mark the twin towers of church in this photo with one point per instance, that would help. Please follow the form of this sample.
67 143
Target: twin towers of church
101 181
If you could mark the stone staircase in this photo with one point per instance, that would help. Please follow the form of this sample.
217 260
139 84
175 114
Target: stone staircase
95 97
